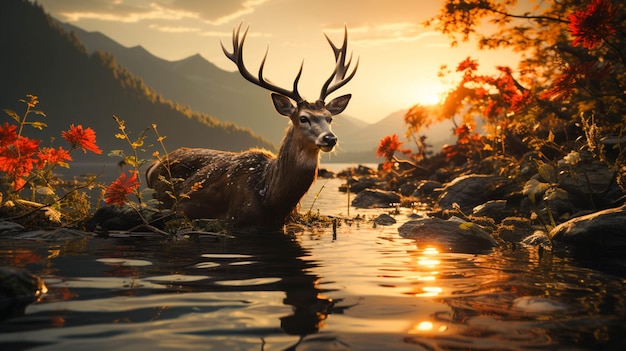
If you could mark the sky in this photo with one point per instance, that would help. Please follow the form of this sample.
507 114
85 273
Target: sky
398 56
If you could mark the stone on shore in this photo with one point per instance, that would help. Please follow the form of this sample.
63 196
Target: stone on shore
599 232
470 191
453 235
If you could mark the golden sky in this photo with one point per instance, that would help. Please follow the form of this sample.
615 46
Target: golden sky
399 57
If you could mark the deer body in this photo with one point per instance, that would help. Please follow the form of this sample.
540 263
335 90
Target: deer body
255 187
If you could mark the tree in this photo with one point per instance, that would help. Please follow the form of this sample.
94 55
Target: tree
572 74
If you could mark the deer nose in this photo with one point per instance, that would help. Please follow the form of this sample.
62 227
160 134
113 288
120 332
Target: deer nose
329 140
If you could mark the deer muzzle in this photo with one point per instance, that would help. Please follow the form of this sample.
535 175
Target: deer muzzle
327 142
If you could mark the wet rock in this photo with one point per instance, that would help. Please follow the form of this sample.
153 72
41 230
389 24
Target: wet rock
325 173
537 238
601 232
384 219
9 228
470 191
372 198
452 235
495 209
113 218
359 184
18 288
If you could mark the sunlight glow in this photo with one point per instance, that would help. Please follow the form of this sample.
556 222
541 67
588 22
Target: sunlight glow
430 291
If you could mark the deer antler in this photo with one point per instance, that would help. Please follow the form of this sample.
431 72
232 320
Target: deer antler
338 77
237 57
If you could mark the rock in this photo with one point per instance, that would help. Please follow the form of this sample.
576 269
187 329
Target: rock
384 219
325 173
407 189
371 198
9 228
601 232
360 184
495 209
470 191
427 188
452 235
113 218
18 288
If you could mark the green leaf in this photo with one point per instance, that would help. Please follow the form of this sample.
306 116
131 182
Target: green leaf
547 172
38 112
555 193
117 153
13 115
533 188
37 125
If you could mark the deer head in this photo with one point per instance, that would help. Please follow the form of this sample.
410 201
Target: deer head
310 121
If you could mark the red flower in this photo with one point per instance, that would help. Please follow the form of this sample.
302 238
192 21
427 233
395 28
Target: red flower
54 157
388 146
8 134
82 138
593 24
17 159
565 84
116 192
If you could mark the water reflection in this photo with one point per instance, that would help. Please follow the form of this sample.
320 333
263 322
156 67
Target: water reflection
256 286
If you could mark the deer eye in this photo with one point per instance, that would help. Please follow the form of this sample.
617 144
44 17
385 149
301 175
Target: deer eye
304 119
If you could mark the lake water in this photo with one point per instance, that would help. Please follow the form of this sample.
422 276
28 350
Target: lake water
361 288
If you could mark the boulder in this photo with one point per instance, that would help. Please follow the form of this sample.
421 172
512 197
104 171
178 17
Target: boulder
427 188
602 232
452 235
18 288
495 209
470 191
371 198
385 219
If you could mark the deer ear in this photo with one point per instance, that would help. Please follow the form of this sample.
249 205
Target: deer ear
283 104
337 105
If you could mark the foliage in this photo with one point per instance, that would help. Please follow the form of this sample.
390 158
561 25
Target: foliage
567 97
26 167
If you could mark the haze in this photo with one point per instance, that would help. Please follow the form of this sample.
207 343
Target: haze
399 57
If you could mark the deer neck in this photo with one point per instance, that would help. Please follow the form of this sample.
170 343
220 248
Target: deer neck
291 173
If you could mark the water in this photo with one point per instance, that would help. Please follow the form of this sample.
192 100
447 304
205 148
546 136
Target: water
362 288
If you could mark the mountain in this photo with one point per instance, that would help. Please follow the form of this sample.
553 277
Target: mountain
76 87
204 87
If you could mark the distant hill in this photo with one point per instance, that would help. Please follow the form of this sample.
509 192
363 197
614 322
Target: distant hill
40 58
204 87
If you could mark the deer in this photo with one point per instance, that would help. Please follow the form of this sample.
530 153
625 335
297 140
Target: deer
257 188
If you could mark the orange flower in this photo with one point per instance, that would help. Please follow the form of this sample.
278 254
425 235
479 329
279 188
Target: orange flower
388 146
81 138
17 159
8 134
593 24
115 194
54 157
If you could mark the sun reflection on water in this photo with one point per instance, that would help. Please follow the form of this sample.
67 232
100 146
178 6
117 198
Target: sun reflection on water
427 266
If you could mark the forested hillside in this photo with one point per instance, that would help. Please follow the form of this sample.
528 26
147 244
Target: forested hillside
76 87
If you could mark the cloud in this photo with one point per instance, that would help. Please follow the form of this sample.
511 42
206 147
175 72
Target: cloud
386 33
214 12
174 29
120 11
